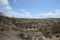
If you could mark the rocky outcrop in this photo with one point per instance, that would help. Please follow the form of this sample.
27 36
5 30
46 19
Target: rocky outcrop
29 29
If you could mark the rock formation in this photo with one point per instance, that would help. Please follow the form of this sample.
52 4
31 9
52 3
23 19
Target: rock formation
29 29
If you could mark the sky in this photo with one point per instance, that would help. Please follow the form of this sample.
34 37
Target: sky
31 8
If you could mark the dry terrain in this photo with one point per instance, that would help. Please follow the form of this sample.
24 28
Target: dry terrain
29 29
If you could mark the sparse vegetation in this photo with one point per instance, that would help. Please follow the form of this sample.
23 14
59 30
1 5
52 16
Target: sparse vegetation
47 27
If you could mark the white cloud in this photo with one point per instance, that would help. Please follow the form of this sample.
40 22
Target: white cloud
5 5
13 14
55 14
25 13
3 2
18 15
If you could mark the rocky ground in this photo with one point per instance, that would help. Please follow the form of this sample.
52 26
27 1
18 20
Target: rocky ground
19 35
23 35
29 29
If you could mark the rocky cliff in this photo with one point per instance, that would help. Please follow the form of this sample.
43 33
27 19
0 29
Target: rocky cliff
29 29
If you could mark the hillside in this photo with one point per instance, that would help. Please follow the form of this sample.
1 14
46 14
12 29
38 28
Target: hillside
29 29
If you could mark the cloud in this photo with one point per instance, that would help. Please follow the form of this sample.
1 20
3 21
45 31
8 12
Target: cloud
18 15
5 5
3 2
55 14
13 14
26 14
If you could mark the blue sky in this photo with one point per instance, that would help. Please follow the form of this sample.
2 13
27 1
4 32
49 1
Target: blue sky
31 8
